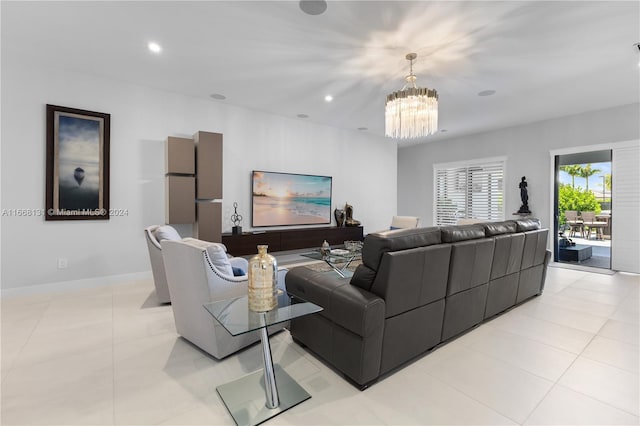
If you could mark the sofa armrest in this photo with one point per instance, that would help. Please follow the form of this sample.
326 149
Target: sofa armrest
353 308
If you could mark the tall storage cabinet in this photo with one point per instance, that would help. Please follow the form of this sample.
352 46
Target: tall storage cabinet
208 186
180 188
193 184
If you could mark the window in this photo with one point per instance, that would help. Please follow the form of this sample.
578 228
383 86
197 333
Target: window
469 191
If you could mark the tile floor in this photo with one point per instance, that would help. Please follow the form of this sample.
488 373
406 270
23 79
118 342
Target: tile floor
111 356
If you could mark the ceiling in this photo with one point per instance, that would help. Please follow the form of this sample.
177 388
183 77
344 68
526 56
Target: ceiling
543 59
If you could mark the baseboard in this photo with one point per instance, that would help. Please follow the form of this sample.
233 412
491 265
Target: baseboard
74 285
575 267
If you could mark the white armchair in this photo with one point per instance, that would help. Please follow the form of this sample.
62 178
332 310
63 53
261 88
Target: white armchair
200 272
154 234
399 222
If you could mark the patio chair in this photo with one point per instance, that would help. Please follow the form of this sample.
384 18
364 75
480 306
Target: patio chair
590 222
574 223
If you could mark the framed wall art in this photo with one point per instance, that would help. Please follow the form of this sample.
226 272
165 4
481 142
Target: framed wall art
77 186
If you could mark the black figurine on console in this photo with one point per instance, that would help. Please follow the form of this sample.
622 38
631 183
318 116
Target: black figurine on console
524 195
236 219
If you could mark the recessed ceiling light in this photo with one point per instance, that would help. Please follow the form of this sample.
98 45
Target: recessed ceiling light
218 96
486 93
302 116
313 7
328 98
363 128
154 47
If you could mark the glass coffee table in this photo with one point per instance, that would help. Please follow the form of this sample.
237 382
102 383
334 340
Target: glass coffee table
245 397
338 259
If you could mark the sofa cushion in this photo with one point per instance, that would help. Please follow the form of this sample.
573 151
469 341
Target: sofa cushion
363 277
219 260
166 232
531 224
451 234
492 229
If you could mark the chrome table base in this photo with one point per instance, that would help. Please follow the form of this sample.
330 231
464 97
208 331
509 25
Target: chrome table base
259 396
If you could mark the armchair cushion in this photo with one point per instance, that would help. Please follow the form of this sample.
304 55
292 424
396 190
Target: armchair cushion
219 260
167 232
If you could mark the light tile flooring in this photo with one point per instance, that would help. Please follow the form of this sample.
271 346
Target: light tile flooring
111 356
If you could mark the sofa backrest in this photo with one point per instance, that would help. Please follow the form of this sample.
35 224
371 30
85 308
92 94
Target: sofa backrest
470 264
411 278
507 254
379 243
411 267
535 247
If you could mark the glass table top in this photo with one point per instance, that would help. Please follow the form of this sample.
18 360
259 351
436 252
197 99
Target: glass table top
234 314
335 256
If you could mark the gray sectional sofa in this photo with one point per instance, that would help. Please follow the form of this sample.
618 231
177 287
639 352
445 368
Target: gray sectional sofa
415 289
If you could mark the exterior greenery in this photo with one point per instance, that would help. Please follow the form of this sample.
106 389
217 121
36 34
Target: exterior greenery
586 172
577 199
572 170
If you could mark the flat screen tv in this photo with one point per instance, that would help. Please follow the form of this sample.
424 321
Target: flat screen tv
290 199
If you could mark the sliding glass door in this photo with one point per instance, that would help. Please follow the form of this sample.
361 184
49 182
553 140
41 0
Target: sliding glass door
583 208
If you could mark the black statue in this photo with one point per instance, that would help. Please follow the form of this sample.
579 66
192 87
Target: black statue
524 196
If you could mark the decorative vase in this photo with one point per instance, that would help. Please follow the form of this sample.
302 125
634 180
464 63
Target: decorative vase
325 248
263 280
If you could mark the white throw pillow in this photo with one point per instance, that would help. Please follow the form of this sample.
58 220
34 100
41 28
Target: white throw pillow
167 232
219 259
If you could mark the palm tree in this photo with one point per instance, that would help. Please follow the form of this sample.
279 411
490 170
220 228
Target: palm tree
607 181
586 172
572 170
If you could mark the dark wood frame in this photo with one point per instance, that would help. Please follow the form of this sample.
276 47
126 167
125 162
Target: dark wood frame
53 212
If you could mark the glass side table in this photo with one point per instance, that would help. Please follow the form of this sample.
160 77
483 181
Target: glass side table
244 397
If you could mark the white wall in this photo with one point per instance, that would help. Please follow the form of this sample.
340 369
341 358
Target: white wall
527 150
363 167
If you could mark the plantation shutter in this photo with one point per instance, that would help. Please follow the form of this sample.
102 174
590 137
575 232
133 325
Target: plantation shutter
469 192
625 196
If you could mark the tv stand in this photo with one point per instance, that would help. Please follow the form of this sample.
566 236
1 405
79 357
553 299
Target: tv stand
290 239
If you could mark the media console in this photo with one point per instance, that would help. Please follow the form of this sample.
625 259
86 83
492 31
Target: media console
290 239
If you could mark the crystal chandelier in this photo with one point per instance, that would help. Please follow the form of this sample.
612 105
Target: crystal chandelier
413 111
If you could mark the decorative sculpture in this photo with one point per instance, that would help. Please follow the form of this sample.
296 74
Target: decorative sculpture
350 221
339 215
236 219
524 196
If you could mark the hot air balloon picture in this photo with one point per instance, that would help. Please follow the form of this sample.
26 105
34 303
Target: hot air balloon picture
77 164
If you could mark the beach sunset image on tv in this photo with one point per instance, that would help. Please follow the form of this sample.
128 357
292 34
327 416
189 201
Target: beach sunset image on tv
290 199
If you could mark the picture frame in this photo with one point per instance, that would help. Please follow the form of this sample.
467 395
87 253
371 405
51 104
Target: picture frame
77 169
